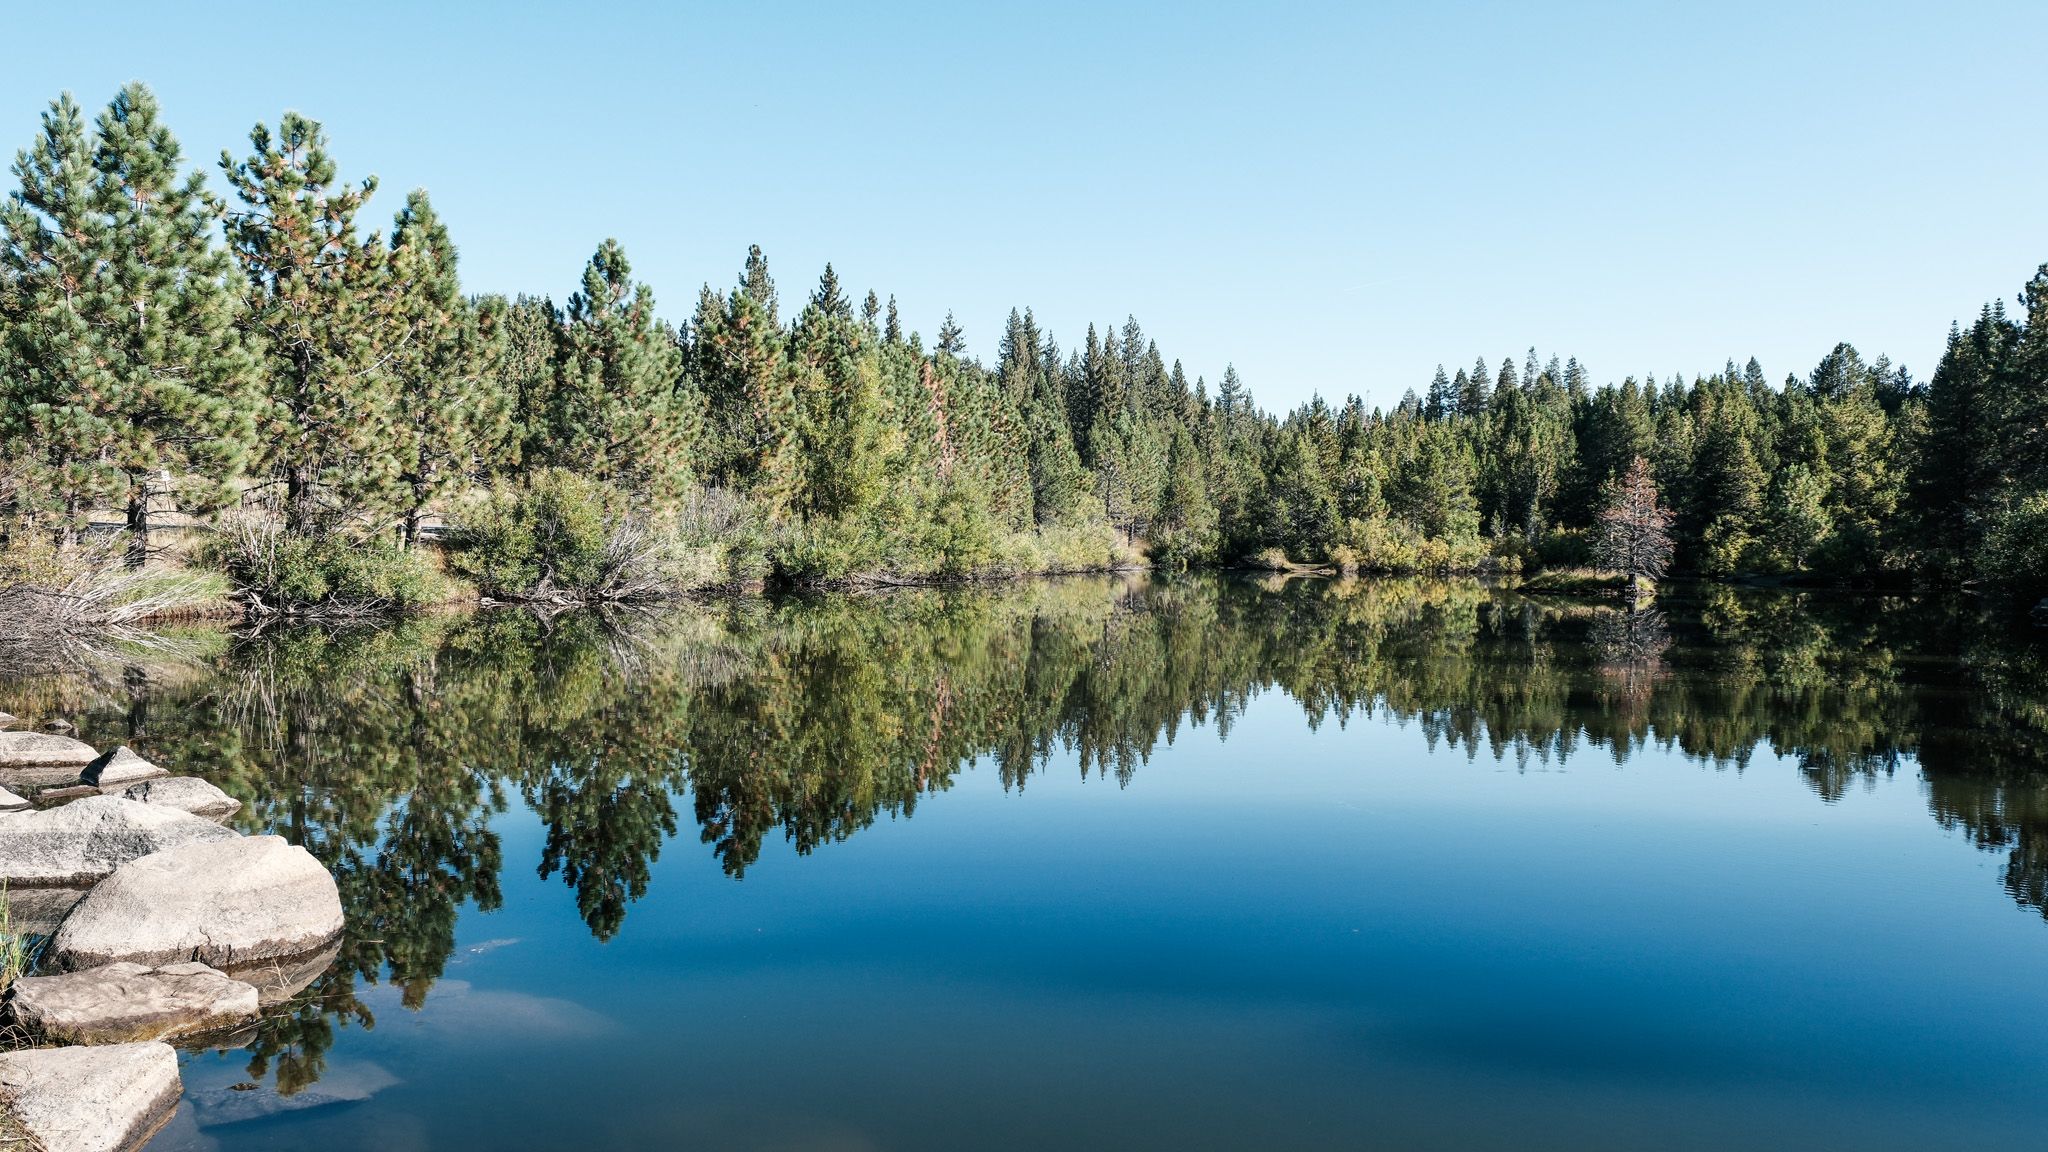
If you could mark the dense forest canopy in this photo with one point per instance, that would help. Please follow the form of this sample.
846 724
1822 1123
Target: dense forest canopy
164 347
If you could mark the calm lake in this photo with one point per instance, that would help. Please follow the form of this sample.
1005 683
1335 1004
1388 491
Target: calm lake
1115 864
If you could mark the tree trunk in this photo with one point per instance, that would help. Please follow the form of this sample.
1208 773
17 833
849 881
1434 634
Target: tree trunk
138 522
298 499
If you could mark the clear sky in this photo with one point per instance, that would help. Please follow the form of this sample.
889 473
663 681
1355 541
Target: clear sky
1336 197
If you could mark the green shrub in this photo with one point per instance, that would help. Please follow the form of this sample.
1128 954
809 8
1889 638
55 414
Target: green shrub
289 572
1383 544
567 537
548 536
1078 545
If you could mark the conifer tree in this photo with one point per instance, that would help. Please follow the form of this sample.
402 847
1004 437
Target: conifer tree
838 420
758 286
320 309
454 414
1799 519
952 338
131 381
1186 528
528 339
621 410
1442 400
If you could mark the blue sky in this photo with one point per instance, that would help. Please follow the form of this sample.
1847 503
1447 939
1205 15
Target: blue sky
1335 197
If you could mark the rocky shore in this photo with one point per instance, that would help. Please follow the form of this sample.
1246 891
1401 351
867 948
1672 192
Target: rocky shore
145 923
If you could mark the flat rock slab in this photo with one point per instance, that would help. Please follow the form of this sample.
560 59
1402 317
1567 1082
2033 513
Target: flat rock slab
121 766
43 750
186 793
237 904
125 1003
107 1099
88 839
9 802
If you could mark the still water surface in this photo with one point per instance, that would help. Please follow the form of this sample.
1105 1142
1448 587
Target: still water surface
1101 864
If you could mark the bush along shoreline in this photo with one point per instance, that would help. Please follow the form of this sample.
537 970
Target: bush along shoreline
250 354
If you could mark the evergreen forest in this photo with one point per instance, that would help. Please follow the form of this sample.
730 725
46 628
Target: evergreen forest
258 355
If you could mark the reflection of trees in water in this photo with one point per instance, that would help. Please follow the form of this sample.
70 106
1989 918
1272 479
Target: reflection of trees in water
387 752
1628 645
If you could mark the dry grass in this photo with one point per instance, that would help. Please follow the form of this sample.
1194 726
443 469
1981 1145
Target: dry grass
60 608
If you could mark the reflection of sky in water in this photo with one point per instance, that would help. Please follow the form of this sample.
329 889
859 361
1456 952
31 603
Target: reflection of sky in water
1291 939
1373 934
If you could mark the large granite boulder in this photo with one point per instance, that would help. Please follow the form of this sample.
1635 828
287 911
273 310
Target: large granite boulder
124 1003
186 793
236 904
110 1099
88 839
121 766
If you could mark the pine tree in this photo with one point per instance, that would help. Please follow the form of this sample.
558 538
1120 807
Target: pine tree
319 307
1799 519
739 365
132 381
530 337
1301 517
758 286
454 414
1186 528
1442 400
838 422
1472 394
621 411
952 338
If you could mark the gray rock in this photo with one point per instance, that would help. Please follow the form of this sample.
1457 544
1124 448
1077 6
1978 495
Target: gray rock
43 750
124 1003
59 725
9 802
237 904
88 839
38 911
8 719
121 766
110 1099
188 793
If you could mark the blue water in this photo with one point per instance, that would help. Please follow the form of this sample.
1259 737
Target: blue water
1341 934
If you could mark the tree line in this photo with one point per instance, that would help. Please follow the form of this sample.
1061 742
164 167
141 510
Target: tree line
163 346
